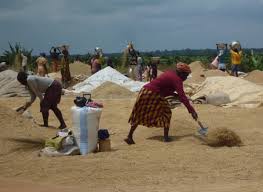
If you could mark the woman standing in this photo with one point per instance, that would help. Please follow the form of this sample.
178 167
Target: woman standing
65 70
54 54
42 65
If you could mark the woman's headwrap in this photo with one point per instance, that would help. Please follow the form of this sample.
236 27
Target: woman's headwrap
22 77
182 67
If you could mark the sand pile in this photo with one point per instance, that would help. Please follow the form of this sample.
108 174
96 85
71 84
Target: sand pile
242 93
9 86
223 137
79 72
109 90
18 133
199 73
255 76
213 73
78 68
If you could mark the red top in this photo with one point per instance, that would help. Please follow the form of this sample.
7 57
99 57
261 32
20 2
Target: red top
166 84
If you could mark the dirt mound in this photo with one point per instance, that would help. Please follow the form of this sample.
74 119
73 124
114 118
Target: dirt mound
79 72
19 133
109 90
199 73
213 73
255 76
78 68
241 93
223 137
196 67
9 86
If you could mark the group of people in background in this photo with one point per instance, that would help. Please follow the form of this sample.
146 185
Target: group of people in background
57 63
235 54
137 68
59 56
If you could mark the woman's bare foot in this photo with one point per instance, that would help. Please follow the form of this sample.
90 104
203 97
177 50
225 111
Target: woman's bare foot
43 125
129 141
62 126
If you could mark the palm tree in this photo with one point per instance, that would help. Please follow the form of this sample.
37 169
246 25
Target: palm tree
13 56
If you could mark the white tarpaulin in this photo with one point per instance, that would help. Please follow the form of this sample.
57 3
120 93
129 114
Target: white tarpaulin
242 93
104 75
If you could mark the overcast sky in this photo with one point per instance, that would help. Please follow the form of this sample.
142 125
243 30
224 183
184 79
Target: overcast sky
110 24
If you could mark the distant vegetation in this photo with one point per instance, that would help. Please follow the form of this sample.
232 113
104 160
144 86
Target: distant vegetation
167 58
206 56
13 57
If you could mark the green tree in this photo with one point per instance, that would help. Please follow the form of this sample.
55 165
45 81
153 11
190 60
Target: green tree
13 56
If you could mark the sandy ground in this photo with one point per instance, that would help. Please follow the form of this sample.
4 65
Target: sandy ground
186 164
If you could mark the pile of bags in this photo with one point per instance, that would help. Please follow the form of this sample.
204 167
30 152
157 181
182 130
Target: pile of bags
62 144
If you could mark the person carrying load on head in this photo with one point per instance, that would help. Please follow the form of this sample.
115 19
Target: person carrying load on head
236 56
54 54
110 63
151 109
133 57
48 91
42 65
139 69
65 70
221 54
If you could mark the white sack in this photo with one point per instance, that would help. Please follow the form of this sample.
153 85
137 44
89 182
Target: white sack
85 125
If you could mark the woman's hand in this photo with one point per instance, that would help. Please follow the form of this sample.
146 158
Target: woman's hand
194 115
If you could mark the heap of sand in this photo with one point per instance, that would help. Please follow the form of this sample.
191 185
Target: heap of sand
223 137
199 73
255 76
79 72
241 92
79 68
109 90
